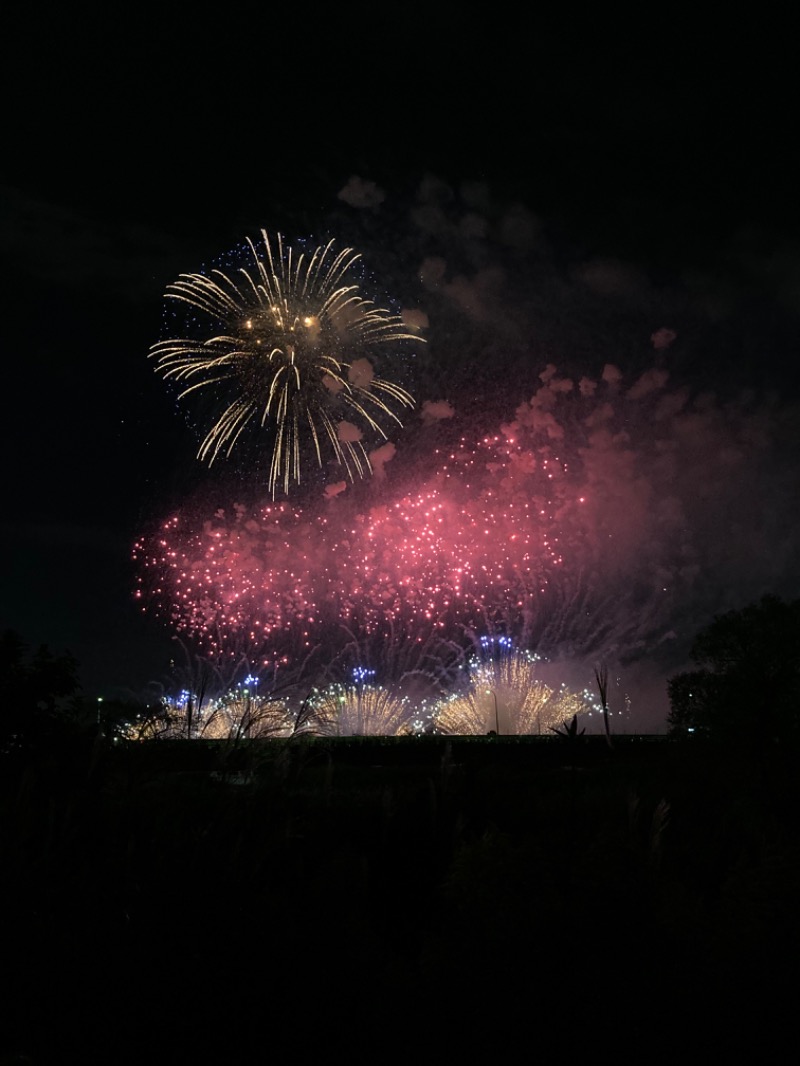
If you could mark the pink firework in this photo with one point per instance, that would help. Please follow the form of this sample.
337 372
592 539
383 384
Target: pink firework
236 579
575 528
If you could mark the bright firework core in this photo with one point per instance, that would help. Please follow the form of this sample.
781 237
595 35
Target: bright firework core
287 345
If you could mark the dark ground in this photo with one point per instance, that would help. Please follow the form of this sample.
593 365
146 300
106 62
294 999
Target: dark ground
170 902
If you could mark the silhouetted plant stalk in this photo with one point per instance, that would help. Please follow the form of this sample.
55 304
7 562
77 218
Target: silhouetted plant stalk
601 676
202 689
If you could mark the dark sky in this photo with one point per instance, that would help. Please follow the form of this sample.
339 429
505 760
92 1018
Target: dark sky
621 182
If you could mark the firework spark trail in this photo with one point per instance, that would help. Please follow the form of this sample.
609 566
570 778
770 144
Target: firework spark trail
287 342
420 667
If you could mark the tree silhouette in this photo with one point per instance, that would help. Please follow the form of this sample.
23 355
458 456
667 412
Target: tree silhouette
39 695
747 685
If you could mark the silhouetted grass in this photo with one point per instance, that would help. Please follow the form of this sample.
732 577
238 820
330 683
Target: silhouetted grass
169 902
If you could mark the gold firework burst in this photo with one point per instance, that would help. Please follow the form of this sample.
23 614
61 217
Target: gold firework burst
292 350
360 710
506 696
240 714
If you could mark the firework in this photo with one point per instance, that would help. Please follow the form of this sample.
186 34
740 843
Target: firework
420 669
236 714
238 581
180 716
159 722
287 343
243 714
359 710
573 528
504 694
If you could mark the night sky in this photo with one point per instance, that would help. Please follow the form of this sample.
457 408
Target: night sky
621 200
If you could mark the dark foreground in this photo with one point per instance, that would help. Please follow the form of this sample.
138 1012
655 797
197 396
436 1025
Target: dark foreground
400 899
